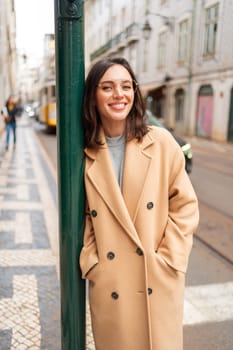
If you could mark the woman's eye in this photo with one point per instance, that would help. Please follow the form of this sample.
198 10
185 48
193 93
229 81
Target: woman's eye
107 88
126 87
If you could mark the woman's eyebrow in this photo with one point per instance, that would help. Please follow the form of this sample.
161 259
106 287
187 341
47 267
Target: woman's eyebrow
112 81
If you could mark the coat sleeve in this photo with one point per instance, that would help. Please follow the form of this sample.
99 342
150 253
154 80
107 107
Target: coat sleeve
183 215
88 256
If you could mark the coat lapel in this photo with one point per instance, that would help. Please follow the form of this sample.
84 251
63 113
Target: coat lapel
136 168
101 174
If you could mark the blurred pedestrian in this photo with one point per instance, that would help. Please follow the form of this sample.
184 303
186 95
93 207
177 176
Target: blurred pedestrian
10 120
141 214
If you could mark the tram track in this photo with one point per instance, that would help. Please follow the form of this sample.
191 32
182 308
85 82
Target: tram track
214 251
220 167
219 210
215 231
212 179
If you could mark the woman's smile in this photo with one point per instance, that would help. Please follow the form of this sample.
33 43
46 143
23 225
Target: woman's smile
118 106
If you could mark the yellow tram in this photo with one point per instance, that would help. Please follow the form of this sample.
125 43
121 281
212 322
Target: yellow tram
48 115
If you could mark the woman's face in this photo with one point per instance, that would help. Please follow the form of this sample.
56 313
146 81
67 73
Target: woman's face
114 99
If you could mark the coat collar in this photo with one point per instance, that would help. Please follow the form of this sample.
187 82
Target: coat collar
123 205
146 142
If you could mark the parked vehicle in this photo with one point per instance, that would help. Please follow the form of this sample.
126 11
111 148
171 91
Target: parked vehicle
47 114
185 146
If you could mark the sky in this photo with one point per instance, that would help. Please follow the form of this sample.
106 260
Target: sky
34 19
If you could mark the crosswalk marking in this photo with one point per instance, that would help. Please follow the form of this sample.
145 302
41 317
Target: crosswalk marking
208 303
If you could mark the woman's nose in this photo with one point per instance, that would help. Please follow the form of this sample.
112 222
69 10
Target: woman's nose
118 91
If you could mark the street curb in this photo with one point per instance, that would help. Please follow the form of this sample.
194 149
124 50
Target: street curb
210 146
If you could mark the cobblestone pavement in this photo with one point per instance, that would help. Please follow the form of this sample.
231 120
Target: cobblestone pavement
29 285
29 288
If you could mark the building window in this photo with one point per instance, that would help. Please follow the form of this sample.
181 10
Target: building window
123 13
108 31
133 56
114 22
183 41
211 26
13 5
179 98
162 49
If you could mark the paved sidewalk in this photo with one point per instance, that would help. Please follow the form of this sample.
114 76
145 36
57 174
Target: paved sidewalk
29 258
29 288
210 146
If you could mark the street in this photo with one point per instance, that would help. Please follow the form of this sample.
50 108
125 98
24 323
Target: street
208 319
212 178
210 268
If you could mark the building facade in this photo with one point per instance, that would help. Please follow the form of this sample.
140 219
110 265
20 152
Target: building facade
7 50
182 53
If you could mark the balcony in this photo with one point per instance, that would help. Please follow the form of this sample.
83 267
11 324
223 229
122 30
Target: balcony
119 41
132 33
101 50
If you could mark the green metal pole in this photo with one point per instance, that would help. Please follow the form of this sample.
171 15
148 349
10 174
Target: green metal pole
69 34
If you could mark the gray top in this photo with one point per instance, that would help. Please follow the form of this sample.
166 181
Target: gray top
116 146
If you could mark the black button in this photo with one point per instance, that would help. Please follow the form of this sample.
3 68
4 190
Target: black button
149 290
114 295
150 205
93 213
110 255
139 251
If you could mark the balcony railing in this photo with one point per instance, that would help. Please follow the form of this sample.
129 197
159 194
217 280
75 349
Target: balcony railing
101 50
130 34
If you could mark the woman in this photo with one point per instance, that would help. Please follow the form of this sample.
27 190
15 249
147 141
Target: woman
141 215
11 124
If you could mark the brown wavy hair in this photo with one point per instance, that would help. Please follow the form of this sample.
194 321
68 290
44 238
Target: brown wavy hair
136 126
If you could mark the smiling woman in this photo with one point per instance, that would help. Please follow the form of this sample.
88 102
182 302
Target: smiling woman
141 213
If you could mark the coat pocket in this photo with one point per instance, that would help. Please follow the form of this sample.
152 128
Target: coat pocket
171 269
90 273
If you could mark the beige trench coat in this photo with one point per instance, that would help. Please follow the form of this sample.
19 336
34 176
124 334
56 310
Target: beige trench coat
137 243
